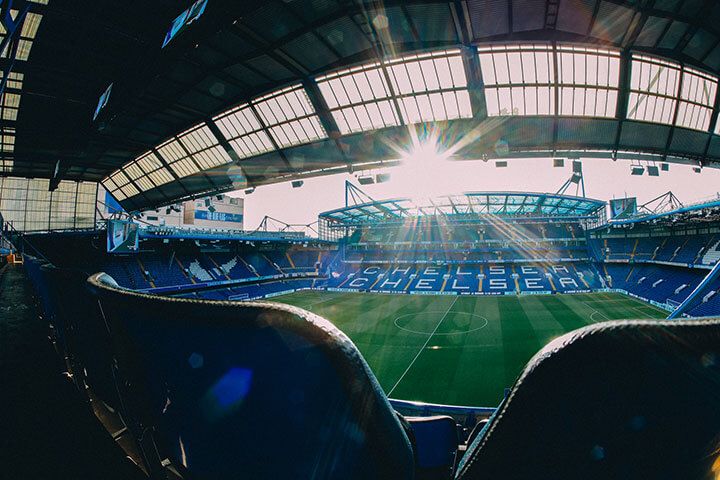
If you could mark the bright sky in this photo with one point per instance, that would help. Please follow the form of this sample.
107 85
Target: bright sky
604 179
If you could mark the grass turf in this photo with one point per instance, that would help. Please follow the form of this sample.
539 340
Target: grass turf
460 350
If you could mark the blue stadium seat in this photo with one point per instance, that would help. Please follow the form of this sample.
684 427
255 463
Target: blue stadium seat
436 444
632 400
240 390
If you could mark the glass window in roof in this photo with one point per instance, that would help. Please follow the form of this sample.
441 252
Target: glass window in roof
430 86
243 131
589 80
653 90
147 171
697 97
519 79
359 98
290 117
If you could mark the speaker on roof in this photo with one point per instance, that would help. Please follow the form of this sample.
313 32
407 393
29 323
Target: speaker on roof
382 177
297 183
558 162
577 166
653 171
366 180
637 170
665 167
501 164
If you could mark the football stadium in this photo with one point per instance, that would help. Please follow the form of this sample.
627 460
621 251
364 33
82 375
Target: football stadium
360 239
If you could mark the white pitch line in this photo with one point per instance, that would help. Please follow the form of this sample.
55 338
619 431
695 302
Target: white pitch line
423 347
594 312
318 303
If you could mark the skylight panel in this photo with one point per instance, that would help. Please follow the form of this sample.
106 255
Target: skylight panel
290 117
115 184
430 86
129 190
30 25
589 80
697 97
9 103
7 140
172 151
204 148
15 80
243 131
147 172
653 90
359 98
192 151
519 79
144 183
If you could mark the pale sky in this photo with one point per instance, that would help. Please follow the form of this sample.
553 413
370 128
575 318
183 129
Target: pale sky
604 179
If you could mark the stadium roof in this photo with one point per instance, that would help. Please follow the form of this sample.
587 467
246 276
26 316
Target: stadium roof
264 90
704 211
470 204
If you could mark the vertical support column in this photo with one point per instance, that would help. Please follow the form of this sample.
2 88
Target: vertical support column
476 86
623 95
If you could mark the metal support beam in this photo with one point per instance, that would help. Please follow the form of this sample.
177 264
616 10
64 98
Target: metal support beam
475 84
228 148
697 293
623 95
12 32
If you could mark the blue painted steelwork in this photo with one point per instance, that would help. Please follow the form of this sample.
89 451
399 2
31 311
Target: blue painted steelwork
505 204
697 293
646 218
12 29
239 235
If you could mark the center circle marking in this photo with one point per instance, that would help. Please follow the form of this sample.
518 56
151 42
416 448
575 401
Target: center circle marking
484 324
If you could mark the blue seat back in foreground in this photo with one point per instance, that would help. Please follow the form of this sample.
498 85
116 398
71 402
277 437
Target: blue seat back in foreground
251 390
630 399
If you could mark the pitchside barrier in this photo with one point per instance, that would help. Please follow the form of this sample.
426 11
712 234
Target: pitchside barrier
459 412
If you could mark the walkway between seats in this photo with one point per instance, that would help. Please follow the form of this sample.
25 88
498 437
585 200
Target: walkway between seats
47 431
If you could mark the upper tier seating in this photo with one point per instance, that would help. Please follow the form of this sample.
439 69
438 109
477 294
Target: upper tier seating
426 231
261 391
634 400
683 249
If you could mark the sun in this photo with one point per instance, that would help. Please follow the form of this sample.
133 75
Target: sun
420 168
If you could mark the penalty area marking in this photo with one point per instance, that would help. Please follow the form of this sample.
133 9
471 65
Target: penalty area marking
485 324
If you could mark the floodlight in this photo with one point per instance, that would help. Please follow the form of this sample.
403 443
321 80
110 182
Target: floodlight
653 171
297 183
637 170
382 177
366 180
558 162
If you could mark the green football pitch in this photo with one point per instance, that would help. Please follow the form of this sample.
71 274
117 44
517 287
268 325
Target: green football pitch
459 350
